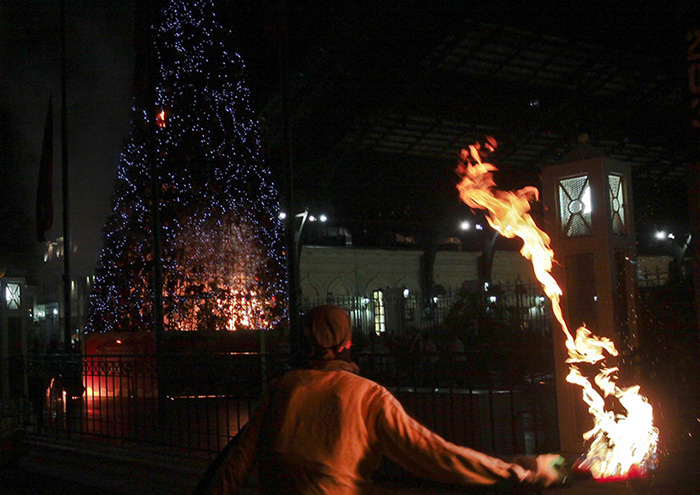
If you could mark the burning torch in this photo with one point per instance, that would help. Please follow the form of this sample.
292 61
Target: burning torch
620 446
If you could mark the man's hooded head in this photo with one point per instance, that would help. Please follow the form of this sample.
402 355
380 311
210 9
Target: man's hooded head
328 332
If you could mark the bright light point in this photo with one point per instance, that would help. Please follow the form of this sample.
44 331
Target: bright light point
435 299
283 215
479 226
492 299
406 293
586 200
119 341
312 218
595 298
660 234
509 228
323 218
671 236
365 300
55 312
465 225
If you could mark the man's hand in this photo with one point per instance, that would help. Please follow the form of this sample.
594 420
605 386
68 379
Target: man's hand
542 471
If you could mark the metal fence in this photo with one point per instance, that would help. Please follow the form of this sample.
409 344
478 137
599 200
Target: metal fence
499 399
197 402
520 305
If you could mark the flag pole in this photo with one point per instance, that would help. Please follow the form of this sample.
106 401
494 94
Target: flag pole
67 333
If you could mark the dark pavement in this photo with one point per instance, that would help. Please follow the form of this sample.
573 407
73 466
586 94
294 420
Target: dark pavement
63 466
18 481
81 467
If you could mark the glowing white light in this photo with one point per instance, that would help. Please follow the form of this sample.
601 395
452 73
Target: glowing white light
479 226
323 218
406 292
282 215
660 235
465 225
586 200
492 299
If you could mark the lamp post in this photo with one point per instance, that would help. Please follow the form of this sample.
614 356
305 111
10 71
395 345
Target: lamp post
294 275
488 248
677 247
304 217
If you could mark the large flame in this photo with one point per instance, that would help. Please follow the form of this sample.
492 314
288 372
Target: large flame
619 445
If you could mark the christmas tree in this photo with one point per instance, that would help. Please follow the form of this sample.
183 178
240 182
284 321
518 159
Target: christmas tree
222 243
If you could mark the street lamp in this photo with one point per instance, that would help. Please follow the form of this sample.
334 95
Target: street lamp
677 248
298 227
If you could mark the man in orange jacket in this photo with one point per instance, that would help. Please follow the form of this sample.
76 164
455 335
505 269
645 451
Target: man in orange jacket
323 430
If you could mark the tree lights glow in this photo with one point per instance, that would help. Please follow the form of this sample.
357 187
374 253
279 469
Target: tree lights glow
223 266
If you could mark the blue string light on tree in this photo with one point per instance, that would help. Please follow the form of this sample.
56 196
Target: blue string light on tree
223 265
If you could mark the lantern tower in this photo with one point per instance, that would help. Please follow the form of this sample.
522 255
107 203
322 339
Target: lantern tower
589 217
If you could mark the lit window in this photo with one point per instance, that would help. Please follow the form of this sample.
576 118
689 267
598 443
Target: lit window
12 296
379 312
575 206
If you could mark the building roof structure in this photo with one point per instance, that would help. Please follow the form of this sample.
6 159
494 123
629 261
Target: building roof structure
409 84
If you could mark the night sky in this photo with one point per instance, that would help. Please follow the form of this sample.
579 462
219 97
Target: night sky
99 80
100 75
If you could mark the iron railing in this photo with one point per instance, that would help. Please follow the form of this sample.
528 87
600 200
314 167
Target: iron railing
520 305
198 402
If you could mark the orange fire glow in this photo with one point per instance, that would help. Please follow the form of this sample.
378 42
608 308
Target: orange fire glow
160 119
620 446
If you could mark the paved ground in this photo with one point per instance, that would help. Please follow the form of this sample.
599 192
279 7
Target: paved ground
18 481
71 467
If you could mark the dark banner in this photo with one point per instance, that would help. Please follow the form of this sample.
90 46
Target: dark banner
44 193
693 38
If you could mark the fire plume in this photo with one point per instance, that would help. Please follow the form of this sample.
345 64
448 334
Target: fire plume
620 446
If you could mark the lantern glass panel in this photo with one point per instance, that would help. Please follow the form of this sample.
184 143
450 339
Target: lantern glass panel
575 206
617 204
12 296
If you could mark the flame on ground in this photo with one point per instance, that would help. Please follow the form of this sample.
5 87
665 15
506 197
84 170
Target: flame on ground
620 446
